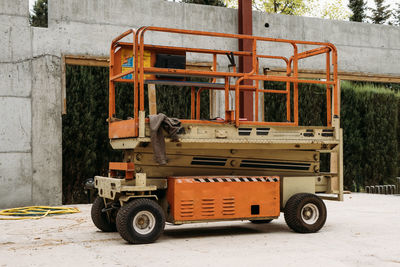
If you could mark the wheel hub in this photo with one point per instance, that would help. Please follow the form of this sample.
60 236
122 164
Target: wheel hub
144 222
310 213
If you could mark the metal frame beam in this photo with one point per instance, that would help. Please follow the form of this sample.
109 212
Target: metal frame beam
245 23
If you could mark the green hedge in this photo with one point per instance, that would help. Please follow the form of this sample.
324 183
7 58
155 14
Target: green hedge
85 145
369 117
312 104
371 134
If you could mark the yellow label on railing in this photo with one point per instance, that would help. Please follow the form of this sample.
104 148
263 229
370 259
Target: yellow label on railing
127 62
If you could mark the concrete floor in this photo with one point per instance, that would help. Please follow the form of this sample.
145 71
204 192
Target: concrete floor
364 230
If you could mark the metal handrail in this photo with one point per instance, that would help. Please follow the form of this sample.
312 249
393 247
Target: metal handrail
292 75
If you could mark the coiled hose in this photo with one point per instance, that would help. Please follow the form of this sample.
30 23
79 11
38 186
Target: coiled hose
35 212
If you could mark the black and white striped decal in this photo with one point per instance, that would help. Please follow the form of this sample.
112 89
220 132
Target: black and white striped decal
236 179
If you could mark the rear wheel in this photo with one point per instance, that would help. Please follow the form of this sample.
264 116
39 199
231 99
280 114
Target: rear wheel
305 213
261 221
104 220
141 221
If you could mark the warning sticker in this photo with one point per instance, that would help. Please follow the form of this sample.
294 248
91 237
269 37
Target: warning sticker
127 62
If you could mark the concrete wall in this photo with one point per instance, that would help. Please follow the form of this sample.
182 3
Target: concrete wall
30 69
15 105
362 47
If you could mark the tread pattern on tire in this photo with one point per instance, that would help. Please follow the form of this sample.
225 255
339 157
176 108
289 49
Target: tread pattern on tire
292 213
99 218
125 218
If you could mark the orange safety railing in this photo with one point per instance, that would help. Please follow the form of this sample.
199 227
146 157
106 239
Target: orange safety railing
139 71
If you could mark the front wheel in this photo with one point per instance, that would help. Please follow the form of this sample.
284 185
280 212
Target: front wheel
305 213
140 221
104 220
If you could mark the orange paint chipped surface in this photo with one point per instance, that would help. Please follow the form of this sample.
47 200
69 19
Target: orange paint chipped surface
198 198
121 129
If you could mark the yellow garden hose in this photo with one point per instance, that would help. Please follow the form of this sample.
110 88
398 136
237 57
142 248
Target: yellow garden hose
35 212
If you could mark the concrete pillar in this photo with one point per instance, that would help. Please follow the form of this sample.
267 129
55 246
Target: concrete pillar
46 131
15 105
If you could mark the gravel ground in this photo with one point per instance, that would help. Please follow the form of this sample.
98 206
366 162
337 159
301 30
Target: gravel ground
364 230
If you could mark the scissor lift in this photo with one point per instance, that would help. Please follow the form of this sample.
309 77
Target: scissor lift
219 169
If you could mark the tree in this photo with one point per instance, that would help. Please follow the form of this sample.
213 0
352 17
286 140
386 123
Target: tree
381 13
396 15
206 2
289 7
39 16
358 7
333 10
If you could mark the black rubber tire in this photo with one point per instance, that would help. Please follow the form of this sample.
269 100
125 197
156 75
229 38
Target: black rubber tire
261 221
293 216
100 219
126 215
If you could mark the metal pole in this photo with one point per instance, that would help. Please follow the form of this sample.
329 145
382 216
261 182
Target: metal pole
245 20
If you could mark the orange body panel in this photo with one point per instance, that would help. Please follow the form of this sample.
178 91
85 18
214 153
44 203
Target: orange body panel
198 198
122 166
121 129
128 167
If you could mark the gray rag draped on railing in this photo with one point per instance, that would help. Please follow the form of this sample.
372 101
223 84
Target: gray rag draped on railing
158 123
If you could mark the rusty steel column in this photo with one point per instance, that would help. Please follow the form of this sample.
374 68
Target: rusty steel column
245 23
